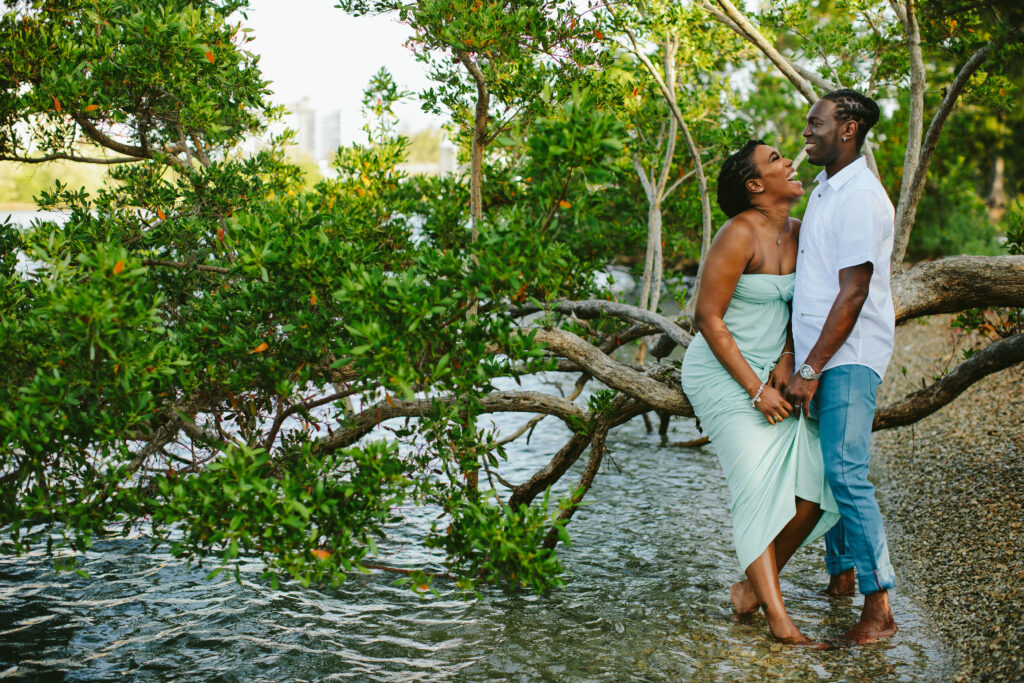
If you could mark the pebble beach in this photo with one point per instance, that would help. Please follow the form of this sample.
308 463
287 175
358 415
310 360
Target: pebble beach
951 487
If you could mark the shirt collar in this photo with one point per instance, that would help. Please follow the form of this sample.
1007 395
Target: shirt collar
845 175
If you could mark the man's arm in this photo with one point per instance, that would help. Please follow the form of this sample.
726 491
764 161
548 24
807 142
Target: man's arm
853 292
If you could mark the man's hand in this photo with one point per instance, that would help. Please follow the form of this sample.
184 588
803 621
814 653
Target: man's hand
800 391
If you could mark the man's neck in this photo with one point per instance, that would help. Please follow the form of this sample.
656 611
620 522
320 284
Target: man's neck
841 163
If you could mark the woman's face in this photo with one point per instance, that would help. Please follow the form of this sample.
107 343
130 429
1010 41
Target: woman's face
777 177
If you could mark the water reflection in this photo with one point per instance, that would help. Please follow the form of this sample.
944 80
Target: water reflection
647 600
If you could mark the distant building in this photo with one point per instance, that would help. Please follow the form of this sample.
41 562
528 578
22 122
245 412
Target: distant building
328 135
301 118
447 156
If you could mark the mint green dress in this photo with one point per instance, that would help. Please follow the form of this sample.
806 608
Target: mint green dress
765 465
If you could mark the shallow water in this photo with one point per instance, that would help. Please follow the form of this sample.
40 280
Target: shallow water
647 599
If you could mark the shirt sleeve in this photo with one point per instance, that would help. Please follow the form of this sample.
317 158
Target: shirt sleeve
860 224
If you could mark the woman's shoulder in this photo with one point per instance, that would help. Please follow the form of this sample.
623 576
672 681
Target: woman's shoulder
738 228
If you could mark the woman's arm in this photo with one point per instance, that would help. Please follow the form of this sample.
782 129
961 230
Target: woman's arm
730 252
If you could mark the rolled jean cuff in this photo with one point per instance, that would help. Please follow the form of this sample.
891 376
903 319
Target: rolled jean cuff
880 579
837 564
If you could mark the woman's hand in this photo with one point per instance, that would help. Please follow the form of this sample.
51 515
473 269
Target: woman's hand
780 375
773 406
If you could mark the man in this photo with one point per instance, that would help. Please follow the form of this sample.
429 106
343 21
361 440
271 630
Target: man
843 325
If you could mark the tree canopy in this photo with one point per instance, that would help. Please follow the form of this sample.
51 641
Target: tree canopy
249 368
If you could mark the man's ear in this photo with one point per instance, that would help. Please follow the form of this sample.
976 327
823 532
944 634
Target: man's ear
754 186
849 130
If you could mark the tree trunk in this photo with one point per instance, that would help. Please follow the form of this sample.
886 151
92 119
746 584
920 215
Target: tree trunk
996 200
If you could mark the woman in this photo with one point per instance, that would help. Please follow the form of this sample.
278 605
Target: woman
734 371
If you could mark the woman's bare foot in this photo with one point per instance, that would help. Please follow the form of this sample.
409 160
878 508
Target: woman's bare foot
876 620
744 601
841 584
785 631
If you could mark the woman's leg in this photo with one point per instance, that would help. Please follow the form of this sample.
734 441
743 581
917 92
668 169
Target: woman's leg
793 534
764 579
744 601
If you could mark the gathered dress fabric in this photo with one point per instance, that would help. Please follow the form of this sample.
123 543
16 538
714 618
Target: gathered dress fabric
766 466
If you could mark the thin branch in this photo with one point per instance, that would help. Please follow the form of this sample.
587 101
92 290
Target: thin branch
621 409
364 422
750 32
102 138
291 410
641 173
179 264
682 179
61 156
909 199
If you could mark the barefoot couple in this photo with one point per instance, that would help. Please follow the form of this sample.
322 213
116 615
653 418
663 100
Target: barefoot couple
794 445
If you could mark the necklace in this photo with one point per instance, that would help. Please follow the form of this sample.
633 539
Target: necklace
779 240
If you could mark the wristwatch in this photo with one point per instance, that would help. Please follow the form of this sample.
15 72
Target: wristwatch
807 372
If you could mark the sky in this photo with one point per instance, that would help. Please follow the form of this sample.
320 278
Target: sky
309 48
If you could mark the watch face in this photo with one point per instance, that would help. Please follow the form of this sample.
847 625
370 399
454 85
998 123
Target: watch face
806 372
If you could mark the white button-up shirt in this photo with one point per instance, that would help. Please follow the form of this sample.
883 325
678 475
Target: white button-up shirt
848 222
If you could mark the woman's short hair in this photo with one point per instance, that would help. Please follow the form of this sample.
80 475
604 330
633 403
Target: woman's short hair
733 196
853 106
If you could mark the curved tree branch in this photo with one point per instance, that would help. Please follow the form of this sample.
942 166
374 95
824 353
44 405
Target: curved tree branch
644 387
621 409
920 404
594 308
102 138
956 283
364 422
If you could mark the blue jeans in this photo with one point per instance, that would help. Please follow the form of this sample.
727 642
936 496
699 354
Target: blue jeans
845 406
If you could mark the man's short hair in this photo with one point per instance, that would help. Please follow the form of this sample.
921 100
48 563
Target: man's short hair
853 106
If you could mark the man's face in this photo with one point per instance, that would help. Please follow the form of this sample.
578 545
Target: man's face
821 134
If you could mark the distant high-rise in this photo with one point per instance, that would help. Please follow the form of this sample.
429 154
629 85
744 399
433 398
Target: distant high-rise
301 118
328 135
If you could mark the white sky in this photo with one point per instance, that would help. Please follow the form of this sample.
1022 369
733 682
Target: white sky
309 48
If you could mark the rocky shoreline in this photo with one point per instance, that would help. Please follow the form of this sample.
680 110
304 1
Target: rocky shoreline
952 487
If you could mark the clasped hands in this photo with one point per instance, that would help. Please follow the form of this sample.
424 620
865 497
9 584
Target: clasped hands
784 390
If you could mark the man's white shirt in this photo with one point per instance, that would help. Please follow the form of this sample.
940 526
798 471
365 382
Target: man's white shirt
848 221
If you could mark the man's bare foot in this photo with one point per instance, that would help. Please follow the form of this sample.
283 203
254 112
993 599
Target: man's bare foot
841 584
876 620
743 599
869 631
